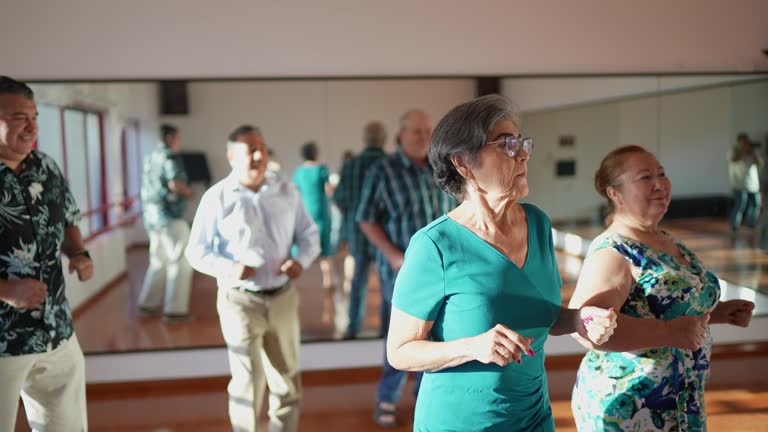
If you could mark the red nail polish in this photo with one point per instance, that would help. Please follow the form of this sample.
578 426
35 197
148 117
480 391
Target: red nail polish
531 353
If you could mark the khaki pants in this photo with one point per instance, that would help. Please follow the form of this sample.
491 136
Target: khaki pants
262 336
168 268
52 386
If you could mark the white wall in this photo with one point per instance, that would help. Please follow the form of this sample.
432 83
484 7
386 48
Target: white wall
597 129
690 131
81 39
537 94
331 112
119 101
546 93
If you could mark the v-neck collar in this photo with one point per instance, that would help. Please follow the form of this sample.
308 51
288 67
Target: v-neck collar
498 252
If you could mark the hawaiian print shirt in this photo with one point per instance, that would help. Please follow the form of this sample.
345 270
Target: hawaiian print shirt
35 207
160 204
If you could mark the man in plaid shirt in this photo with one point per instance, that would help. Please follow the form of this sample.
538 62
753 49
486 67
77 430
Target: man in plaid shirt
399 197
347 197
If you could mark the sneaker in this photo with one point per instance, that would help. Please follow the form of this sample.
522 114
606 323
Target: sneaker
176 318
144 311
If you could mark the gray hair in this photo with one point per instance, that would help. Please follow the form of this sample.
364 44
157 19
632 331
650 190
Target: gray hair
404 120
375 134
239 131
463 132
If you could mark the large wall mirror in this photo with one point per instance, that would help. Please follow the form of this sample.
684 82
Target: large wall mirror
100 131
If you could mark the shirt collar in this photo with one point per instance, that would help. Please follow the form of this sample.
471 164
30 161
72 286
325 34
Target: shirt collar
409 163
233 184
32 157
373 149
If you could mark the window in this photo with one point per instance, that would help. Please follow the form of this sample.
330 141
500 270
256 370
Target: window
49 139
74 138
132 155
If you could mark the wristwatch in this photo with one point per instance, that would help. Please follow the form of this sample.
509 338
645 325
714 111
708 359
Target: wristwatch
83 252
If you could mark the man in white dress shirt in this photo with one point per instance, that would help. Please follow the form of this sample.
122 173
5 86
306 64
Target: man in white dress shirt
243 233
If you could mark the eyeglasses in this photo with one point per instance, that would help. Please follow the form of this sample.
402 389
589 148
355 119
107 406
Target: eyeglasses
514 144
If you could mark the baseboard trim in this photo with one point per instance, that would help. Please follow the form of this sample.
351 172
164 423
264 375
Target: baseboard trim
350 376
141 389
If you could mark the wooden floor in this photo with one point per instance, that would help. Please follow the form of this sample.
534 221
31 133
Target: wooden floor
126 331
349 408
346 405
735 258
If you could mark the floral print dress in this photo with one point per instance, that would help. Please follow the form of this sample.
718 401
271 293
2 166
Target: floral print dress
660 389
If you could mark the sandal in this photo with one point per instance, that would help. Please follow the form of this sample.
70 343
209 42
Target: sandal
385 417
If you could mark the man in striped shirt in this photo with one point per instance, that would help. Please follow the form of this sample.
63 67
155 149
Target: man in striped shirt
347 197
399 197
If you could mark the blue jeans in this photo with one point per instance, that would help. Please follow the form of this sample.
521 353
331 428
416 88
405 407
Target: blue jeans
745 204
358 291
392 380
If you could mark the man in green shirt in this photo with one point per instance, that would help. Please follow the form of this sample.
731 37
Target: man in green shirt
164 193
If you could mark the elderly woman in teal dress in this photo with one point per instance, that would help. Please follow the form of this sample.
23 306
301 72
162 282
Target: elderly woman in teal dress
650 375
311 178
479 291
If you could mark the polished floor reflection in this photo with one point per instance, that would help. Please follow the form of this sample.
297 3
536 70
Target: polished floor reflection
111 324
735 258
349 408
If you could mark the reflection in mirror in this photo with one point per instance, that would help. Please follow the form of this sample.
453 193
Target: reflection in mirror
690 122
100 133
103 162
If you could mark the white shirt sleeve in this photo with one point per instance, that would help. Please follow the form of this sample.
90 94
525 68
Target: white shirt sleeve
307 235
200 252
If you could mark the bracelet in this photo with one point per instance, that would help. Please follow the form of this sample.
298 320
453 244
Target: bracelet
83 252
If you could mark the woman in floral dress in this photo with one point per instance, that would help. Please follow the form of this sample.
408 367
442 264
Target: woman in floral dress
650 375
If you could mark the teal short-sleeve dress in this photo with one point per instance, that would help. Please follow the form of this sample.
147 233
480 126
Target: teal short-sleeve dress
454 278
311 181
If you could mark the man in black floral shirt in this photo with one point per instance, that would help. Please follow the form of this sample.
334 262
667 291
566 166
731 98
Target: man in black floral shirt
40 357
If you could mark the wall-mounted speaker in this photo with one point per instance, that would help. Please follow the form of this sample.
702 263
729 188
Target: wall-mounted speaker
173 98
196 167
488 85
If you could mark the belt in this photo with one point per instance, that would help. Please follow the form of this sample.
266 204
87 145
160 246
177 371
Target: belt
266 292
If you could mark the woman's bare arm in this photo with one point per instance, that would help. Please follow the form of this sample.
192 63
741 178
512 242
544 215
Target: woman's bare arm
605 281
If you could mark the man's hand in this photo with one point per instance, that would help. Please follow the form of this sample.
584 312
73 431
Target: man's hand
241 271
291 268
24 293
82 265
